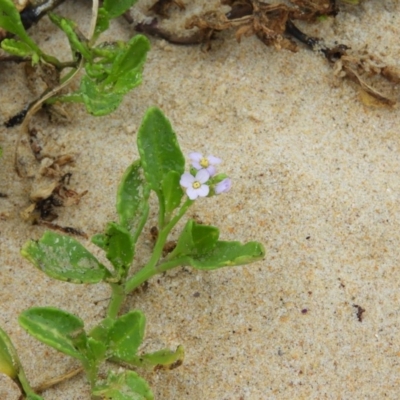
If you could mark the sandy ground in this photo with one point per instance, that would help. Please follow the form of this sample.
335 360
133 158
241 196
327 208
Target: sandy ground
315 178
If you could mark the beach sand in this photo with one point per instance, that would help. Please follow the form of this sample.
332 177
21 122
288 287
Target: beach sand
315 175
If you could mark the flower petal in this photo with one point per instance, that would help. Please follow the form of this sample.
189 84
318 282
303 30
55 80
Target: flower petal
223 187
213 160
202 176
187 180
192 193
203 190
195 156
196 165
211 170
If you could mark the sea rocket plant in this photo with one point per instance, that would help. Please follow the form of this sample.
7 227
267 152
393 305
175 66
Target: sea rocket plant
117 337
223 186
199 162
195 185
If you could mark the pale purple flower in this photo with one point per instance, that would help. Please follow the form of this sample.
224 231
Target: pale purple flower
199 162
223 187
195 185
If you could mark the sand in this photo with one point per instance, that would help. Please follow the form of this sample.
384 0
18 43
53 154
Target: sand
315 178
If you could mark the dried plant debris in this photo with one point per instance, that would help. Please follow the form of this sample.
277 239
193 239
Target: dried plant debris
248 17
153 28
49 184
370 73
360 312
274 24
161 7
40 78
47 195
375 77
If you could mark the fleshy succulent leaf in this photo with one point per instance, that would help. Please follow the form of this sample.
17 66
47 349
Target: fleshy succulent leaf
126 335
159 149
64 258
127 385
54 327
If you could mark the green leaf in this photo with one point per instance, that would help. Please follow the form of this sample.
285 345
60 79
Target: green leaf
119 246
11 366
195 239
117 8
126 335
9 363
33 396
64 258
111 9
10 20
19 49
54 327
96 351
100 68
127 385
162 359
100 332
128 64
204 237
124 83
228 254
172 191
133 200
102 23
97 101
109 79
69 28
159 149
130 195
100 240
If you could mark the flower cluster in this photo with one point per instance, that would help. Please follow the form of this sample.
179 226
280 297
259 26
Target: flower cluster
199 185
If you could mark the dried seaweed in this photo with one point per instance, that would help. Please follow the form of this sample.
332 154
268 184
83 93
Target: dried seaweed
161 7
274 25
49 182
153 28
51 191
358 67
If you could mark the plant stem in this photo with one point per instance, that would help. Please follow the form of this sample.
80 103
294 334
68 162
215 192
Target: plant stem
52 60
150 268
176 262
23 383
35 107
161 212
95 10
163 234
67 98
55 381
117 298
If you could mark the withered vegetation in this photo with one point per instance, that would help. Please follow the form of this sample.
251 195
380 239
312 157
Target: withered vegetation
49 186
274 25
38 162
161 7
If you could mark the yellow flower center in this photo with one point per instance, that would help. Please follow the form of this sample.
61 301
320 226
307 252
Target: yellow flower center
204 162
196 185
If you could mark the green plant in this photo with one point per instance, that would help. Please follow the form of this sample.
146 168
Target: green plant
160 169
112 69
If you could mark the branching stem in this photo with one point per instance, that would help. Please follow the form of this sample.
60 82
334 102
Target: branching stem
151 268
